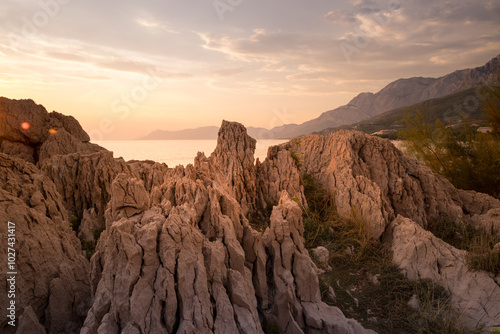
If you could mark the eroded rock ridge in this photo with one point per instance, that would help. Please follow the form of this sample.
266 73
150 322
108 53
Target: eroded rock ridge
177 252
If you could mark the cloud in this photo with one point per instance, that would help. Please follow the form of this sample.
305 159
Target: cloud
227 72
142 68
277 50
153 24
269 47
65 56
91 77
125 66
340 17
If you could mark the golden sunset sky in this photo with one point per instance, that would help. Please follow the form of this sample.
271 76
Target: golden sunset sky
126 68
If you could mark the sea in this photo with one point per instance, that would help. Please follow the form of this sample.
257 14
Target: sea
174 152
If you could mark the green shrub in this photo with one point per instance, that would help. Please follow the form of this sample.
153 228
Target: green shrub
296 158
467 158
89 247
273 329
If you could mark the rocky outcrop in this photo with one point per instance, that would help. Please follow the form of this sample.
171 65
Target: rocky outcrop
371 175
295 303
422 255
397 197
178 253
62 143
29 132
52 286
234 154
85 183
191 262
280 171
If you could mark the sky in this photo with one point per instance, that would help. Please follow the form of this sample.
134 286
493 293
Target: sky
125 68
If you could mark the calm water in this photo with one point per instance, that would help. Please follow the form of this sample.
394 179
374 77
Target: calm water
173 152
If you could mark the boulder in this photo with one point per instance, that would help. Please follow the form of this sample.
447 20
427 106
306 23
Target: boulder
322 255
422 255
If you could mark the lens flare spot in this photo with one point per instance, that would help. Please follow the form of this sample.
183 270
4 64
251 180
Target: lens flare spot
52 131
25 125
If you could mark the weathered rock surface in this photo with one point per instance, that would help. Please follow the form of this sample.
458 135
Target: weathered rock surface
322 255
62 143
278 172
48 133
370 174
191 262
85 183
234 154
52 284
178 253
422 255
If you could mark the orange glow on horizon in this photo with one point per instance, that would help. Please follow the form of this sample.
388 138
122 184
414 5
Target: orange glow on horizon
25 125
52 131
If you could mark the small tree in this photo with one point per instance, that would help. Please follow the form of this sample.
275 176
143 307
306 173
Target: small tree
468 158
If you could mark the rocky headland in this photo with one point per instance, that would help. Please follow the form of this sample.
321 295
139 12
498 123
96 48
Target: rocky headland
175 248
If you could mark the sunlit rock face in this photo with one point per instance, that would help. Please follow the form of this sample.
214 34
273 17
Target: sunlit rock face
178 253
397 197
370 174
29 132
189 260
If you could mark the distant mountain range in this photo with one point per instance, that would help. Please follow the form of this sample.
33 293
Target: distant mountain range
397 94
206 132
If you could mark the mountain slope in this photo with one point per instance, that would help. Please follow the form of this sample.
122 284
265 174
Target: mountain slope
448 109
400 93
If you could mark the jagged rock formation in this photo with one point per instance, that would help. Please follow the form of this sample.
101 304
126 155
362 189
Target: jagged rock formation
46 134
84 181
191 262
278 172
372 176
179 253
237 162
52 286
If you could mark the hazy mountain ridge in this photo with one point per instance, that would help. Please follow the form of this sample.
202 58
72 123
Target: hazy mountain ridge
206 132
442 108
397 94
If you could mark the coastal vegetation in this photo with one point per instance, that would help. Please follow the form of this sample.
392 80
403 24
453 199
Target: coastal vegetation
367 285
468 158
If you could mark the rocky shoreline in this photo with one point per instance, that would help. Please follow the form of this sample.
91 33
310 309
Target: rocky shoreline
177 252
